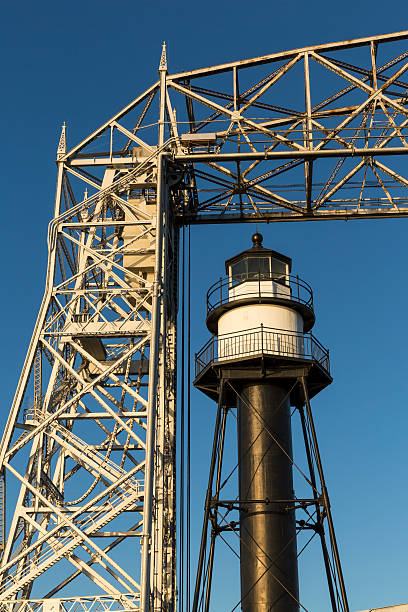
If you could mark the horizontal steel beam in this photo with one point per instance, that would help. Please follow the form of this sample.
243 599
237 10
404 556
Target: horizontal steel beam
302 154
273 217
250 156
100 415
102 161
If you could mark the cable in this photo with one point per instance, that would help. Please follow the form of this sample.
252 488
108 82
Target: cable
181 493
188 419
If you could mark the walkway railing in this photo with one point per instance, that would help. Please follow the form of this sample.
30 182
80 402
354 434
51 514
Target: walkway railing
126 602
249 286
261 341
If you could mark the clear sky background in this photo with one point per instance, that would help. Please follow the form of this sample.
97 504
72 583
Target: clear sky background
80 62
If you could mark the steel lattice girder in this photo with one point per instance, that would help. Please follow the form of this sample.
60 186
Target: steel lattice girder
337 145
314 133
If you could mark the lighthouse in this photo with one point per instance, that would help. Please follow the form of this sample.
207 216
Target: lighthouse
261 317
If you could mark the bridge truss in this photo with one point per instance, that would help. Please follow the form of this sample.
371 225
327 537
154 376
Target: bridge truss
88 466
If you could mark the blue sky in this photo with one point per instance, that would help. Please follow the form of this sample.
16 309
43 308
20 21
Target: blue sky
80 62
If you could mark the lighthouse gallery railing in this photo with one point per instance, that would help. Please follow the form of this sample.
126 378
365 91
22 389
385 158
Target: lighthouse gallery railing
262 341
254 285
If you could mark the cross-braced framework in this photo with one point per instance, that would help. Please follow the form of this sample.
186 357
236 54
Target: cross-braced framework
305 134
93 454
86 438
224 506
88 453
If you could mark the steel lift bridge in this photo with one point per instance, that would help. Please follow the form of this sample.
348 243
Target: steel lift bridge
88 468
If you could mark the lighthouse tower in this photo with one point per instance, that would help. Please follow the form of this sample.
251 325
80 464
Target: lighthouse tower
263 359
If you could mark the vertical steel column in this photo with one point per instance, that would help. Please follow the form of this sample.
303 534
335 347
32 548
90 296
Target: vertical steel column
152 398
163 574
157 347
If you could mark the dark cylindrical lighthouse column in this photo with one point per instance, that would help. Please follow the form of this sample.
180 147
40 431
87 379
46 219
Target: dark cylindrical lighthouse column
269 574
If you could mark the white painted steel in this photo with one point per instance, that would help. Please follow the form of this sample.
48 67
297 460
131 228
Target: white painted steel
235 340
242 318
51 605
87 490
400 608
253 289
73 604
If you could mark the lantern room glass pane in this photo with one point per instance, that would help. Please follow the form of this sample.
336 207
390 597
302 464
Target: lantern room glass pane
258 267
279 271
250 268
238 271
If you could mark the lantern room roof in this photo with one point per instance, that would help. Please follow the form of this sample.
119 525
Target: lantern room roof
258 250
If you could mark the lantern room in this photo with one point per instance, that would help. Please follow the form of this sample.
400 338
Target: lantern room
258 263
259 290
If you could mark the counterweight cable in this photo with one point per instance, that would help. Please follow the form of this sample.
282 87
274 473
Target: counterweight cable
188 418
181 447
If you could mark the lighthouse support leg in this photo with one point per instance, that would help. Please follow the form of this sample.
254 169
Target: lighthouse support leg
325 497
207 508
